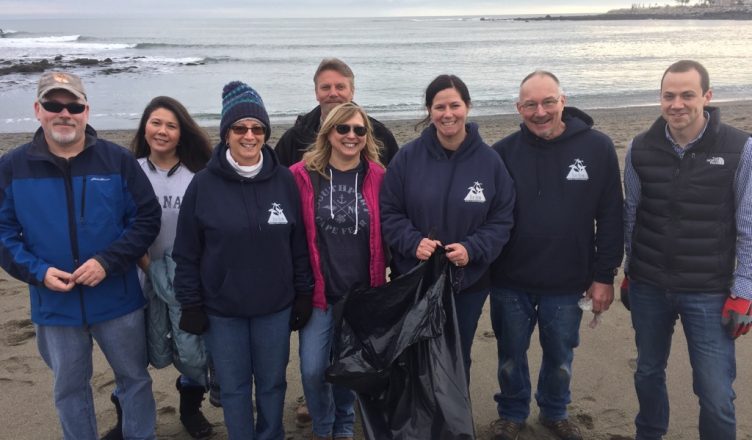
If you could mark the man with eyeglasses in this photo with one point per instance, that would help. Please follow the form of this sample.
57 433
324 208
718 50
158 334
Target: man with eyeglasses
566 243
76 212
688 236
334 84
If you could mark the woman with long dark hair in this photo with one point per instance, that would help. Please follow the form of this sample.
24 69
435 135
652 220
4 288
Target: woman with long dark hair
171 148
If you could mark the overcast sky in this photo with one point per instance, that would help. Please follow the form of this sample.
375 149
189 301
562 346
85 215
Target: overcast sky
298 8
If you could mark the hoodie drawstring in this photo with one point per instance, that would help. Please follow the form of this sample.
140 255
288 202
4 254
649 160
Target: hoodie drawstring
356 204
331 192
331 195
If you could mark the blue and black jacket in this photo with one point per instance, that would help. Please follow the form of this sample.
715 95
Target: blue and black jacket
60 213
240 245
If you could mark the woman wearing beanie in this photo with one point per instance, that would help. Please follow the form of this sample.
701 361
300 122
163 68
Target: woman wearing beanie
339 180
242 265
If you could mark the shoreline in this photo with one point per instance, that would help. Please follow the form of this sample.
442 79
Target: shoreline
619 123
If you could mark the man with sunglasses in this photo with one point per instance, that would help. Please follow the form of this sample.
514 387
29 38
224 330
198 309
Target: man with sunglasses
334 84
76 212
567 240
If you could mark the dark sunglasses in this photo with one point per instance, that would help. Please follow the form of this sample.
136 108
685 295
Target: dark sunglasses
241 130
73 108
345 129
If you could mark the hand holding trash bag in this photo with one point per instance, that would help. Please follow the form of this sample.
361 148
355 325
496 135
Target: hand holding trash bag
398 347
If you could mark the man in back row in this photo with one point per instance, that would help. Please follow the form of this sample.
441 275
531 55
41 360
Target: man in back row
688 237
334 83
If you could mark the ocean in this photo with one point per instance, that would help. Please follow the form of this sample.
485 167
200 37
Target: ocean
600 63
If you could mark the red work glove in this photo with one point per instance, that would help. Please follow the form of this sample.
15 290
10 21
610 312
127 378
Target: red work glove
737 316
624 292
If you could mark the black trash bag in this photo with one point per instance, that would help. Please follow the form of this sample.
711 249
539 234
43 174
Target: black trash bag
398 348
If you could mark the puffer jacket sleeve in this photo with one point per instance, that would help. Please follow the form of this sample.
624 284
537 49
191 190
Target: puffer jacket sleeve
186 351
158 340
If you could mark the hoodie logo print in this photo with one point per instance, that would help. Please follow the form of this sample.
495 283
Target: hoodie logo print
475 195
577 171
277 216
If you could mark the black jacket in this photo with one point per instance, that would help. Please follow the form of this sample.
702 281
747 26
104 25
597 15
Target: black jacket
685 234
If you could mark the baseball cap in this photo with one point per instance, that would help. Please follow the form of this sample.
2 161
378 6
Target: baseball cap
62 81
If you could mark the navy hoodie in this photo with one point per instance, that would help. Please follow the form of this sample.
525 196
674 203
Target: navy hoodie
240 245
568 214
464 198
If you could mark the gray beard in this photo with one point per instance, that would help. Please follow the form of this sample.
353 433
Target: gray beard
64 139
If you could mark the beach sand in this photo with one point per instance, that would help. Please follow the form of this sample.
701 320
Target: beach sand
603 398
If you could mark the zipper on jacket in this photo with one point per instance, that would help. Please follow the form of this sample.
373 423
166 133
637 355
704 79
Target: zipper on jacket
83 197
670 257
72 230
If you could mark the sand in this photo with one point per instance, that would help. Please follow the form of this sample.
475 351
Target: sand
603 399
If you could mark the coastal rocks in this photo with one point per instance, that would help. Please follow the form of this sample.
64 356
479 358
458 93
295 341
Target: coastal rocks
25 67
9 67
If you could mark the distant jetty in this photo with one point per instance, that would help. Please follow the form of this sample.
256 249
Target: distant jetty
697 12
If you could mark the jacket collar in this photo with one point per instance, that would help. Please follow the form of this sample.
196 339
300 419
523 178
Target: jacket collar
39 150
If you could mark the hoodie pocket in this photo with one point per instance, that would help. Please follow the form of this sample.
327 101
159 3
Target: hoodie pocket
546 261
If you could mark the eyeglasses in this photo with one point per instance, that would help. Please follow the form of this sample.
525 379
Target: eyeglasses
241 130
73 108
547 104
345 129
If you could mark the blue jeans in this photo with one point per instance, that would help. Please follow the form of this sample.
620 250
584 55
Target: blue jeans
711 354
468 307
514 314
247 351
330 406
67 351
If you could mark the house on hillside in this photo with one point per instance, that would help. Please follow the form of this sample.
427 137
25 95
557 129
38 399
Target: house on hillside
724 3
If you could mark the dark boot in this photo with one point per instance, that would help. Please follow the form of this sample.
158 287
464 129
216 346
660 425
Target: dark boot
190 411
116 433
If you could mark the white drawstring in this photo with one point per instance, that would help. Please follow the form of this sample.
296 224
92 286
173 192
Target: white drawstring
356 204
331 191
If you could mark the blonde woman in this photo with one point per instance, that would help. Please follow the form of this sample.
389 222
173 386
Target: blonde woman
339 179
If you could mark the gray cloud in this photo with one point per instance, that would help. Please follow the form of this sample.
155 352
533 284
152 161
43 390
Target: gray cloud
295 8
